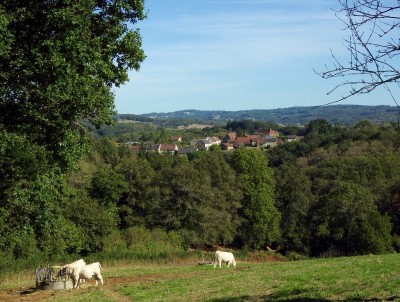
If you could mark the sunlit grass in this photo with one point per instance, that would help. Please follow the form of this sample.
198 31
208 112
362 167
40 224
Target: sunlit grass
373 278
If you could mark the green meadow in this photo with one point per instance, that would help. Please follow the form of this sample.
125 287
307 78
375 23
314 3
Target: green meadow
362 278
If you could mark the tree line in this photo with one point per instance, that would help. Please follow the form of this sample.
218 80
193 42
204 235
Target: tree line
342 114
63 192
334 193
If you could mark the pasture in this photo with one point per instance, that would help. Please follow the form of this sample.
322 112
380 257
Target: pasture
363 278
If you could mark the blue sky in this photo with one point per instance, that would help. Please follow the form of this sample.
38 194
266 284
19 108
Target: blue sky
237 55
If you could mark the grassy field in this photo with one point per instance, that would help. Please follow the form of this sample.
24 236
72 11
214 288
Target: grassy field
366 278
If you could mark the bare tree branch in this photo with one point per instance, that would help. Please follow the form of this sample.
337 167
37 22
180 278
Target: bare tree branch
373 44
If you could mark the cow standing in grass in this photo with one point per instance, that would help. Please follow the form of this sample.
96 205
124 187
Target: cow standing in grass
68 267
79 262
80 273
224 256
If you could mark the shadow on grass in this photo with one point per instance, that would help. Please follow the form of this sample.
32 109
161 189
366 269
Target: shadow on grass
266 298
281 295
272 298
29 291
290 296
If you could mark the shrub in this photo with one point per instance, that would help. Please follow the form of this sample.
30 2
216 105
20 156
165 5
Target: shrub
152 244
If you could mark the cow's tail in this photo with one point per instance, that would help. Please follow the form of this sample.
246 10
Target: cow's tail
215 262
101 267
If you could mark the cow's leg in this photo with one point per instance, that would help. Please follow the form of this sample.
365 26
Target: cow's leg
219 261
100 279
76 283
229 262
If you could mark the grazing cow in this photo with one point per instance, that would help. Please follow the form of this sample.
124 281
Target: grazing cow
224 256
79 262
68 267
88 271
56 272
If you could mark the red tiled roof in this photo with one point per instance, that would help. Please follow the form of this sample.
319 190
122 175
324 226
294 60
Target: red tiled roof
135 148
268 131
167 147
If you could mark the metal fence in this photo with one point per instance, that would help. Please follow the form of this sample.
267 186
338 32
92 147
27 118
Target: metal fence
53 277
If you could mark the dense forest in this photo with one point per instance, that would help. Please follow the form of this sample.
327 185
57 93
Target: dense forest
71 186
336 192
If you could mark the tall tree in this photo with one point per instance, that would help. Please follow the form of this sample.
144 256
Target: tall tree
347 221
60 61
294 201
134 205
181 198
319 126
261 217
221 212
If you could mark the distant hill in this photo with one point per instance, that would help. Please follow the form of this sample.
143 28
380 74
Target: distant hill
334 114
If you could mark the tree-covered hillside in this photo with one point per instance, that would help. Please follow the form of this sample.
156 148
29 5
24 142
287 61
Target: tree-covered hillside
334 114
335 192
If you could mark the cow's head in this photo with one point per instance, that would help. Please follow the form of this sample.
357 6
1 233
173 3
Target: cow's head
64 271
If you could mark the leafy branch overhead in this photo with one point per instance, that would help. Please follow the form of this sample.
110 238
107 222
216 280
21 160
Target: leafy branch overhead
373 44
60 61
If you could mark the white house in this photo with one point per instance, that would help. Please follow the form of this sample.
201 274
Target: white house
206 143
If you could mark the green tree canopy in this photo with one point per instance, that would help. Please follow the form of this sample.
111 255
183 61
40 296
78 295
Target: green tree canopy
319 126
133 206
221 212
294 200
261 217
59 61
347 220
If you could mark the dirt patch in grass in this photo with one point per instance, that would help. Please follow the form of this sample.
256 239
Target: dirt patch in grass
261 256
33 294
26 294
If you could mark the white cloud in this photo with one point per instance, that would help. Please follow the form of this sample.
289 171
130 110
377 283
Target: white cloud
219 39
226 54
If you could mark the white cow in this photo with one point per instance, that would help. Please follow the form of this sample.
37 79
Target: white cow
88 271
79 262
224 256
69 266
